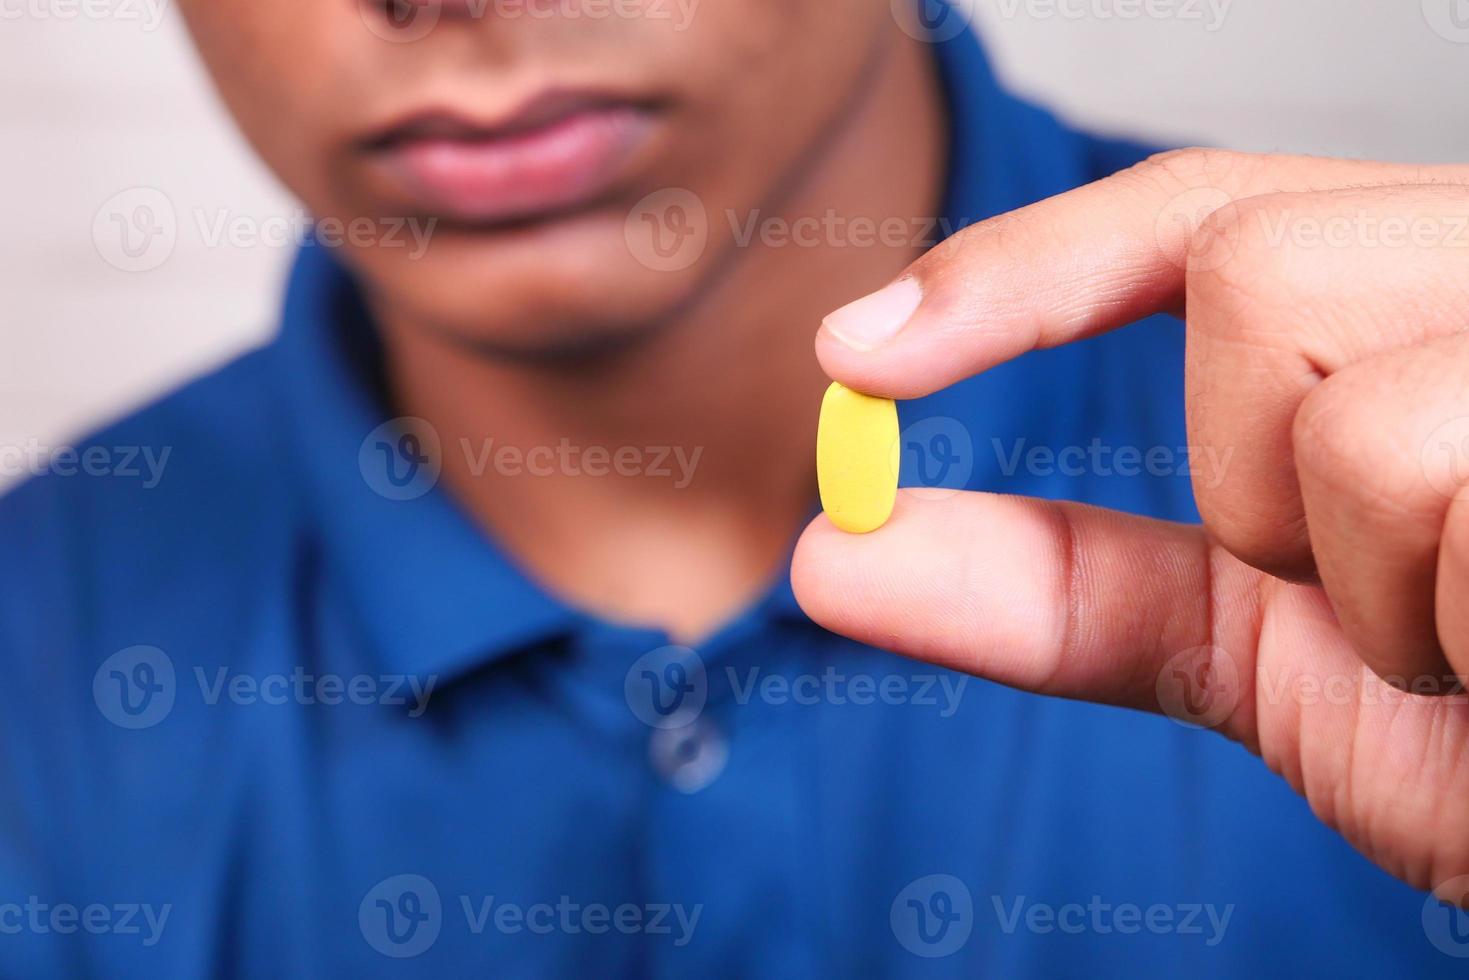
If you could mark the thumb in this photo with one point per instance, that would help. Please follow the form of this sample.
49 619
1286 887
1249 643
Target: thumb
1049 597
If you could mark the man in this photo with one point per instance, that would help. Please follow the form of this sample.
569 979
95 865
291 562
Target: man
457 638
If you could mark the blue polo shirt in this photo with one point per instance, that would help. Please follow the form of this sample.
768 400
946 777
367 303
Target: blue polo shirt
275 707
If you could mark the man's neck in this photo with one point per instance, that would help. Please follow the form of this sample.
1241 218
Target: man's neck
663 484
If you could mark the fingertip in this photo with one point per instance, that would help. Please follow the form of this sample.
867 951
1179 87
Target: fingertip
823 564
807 563
884 373
929 352
854 583
842 363
868 323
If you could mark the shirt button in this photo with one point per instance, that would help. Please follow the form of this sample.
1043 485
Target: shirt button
690 757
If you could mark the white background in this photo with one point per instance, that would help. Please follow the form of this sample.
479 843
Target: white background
103 95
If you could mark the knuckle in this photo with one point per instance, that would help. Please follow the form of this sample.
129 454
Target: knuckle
1245 226
1251 275
1191 167
1344 442
1326 430
1260 533
1198 178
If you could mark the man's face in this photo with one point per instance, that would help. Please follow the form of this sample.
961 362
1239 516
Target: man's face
535 131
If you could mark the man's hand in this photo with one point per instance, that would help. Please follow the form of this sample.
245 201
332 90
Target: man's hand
1326 306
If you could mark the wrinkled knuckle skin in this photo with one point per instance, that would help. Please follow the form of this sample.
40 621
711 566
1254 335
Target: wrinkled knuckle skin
1192 167
1327 433
1238 320
1250 267
1263 543
1345 442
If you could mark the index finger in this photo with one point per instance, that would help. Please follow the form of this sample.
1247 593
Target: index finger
1066 268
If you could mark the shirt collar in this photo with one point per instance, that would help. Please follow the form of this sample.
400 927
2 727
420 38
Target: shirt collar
435 594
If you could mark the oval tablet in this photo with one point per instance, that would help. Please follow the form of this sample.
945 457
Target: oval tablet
857 458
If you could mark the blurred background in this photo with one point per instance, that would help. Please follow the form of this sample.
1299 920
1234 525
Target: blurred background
104 97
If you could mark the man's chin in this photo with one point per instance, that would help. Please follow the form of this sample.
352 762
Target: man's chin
549 343
507 300
546 319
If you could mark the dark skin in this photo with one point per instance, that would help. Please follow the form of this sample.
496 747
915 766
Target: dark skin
1332 564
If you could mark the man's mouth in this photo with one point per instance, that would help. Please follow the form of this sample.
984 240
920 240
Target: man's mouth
557 153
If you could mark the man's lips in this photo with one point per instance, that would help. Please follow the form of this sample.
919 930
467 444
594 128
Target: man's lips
552 156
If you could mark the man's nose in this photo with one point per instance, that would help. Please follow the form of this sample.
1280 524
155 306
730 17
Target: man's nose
410 20
407 9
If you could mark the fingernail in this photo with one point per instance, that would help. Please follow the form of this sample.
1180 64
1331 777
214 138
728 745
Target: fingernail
877 317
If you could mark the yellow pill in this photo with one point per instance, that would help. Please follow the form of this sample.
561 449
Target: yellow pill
857 458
